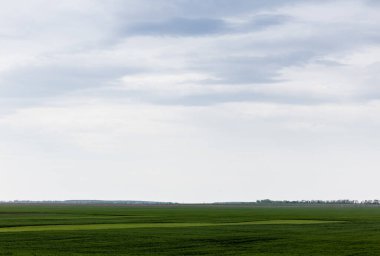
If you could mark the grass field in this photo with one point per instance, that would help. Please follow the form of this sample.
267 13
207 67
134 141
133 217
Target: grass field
188 230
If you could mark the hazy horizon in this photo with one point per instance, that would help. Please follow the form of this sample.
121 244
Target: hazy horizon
189 101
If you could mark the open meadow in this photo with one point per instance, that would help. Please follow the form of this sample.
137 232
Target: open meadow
188 230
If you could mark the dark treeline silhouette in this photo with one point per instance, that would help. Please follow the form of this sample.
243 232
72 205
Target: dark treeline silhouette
258 202
308 202
91 202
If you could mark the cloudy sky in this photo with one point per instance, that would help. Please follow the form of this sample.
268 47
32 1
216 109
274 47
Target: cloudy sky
189 100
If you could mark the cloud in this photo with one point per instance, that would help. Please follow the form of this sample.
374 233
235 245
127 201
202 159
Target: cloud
179 27
247 49
257 96
142 145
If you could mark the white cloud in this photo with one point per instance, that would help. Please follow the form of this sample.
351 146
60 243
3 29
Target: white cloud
276 101
129 147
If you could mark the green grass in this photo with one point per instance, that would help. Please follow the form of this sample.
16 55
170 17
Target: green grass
154 225
188 230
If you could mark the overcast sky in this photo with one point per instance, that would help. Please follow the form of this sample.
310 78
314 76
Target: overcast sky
189 100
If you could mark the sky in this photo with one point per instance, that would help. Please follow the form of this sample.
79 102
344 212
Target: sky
189 100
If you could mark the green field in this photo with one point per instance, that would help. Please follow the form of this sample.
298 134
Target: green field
188 230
